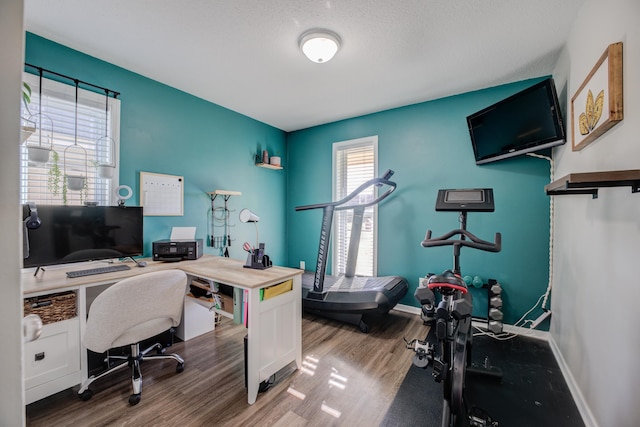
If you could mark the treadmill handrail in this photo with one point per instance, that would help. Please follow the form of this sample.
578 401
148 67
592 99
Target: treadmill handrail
383 180
474 242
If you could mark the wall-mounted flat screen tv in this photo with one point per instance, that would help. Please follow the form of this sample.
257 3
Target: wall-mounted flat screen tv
82 233
523 123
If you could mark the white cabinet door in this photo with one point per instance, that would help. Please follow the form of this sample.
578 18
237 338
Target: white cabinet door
52 362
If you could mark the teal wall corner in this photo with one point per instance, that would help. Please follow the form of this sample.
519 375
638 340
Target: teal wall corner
164 130
429 148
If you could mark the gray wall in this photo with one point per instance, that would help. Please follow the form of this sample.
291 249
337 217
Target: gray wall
595 275
11 58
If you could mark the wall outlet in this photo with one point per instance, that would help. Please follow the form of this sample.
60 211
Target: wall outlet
302 265
422 282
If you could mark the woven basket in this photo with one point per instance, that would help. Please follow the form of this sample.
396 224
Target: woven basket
53 307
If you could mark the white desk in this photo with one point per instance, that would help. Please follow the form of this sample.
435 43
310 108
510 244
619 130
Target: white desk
274 331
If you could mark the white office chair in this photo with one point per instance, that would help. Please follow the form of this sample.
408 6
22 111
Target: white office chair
129 312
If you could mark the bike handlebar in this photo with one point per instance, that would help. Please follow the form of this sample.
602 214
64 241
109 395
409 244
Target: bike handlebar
474 242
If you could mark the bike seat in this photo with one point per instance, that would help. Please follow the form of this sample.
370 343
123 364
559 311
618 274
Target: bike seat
448 281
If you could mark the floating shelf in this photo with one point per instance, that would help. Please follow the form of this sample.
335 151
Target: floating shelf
268 166
590 182
226 193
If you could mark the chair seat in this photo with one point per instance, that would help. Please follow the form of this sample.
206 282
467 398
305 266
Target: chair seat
129 312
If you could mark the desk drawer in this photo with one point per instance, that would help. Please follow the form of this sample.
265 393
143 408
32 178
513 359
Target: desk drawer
55 354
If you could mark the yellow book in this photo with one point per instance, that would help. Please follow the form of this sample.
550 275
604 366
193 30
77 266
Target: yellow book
278 289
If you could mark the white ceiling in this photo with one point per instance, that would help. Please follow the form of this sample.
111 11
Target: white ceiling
244 55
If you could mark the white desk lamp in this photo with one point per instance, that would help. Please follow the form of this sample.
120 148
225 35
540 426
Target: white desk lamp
256 259
247 216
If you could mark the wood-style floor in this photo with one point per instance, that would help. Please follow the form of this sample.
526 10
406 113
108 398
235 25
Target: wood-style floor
349 379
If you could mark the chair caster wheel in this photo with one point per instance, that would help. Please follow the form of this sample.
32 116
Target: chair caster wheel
160 349
85 395
179 367
134 399
264 386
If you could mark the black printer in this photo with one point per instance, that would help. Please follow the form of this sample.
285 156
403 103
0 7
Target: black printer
177 250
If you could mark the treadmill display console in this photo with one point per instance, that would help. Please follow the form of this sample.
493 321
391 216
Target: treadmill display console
465 200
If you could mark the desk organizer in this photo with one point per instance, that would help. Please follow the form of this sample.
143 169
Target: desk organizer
257 259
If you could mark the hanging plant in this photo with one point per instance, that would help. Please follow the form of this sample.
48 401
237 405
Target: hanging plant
55 174
64 190
27 126
56 182
26 96
84 194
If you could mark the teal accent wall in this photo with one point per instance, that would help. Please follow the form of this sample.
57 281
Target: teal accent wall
164 130
429 148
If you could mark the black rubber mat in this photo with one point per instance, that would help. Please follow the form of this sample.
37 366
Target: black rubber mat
532 391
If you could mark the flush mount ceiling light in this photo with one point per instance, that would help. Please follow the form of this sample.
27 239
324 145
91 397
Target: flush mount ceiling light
319 45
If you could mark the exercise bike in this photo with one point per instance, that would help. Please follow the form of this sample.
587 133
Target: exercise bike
450 355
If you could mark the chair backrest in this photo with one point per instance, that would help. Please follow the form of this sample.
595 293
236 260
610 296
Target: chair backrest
135 309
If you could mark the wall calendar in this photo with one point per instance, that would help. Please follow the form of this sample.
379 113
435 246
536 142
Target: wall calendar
161 195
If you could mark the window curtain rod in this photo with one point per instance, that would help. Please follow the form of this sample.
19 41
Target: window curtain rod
74 80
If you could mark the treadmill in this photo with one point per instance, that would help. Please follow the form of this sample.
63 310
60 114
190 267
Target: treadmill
349 298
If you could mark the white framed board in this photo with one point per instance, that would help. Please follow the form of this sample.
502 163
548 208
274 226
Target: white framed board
161 195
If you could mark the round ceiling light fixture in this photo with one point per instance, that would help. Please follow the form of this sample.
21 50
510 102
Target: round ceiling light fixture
319 45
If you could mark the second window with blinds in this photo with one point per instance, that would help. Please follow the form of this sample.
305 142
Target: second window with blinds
354 162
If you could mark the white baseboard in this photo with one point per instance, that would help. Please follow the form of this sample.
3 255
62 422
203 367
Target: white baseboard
587 416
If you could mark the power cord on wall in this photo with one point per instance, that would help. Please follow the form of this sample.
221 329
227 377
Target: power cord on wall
547 312
523 322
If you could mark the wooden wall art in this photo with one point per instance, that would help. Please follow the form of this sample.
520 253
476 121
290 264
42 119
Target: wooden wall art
597 105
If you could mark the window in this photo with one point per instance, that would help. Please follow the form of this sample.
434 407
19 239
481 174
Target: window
97 143
355 162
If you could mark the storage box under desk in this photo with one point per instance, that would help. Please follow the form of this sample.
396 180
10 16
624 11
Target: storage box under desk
196 320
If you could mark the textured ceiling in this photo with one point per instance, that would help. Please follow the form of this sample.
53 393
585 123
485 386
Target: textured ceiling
244 55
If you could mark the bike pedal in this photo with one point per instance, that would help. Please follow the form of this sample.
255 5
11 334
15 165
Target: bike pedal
480 418
439 371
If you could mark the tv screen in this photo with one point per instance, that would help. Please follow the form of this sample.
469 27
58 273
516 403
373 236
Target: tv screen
82 233
525 122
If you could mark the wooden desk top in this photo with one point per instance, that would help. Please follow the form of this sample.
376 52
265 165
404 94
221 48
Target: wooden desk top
223 270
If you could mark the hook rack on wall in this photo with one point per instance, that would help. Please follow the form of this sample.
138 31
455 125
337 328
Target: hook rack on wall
221 239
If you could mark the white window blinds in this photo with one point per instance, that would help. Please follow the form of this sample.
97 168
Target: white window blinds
97 143
354 162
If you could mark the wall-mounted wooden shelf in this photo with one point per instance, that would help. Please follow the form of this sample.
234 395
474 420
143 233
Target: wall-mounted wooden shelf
268 166
225 193
590 182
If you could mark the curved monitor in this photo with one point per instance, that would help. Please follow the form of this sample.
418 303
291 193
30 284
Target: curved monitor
82 233
525 122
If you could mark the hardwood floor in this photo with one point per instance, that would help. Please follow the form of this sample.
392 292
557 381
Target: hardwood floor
348 379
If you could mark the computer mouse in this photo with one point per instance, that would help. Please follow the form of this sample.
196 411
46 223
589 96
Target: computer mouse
142 263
